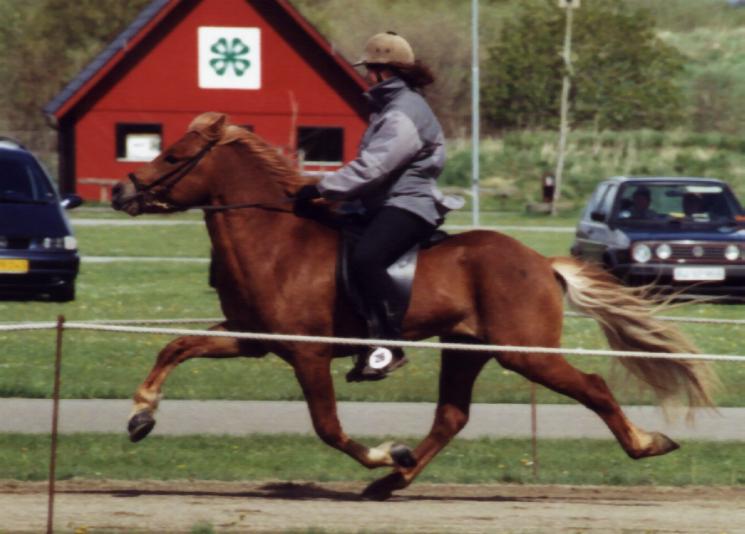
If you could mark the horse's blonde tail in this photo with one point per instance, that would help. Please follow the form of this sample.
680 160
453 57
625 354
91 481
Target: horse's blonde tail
627 318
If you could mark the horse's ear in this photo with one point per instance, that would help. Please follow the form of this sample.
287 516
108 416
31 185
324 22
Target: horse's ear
216 129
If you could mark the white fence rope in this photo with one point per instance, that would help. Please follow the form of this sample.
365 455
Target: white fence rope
72 325
41 325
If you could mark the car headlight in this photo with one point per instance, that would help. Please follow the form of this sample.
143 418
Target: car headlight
732 252
664 251
641 253
67 242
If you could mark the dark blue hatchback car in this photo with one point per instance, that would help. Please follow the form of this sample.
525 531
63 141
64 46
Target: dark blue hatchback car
38 252
682 233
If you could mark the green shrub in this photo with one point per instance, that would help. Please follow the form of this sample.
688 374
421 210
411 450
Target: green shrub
511 166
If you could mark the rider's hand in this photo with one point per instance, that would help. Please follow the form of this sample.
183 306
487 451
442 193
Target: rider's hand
307 193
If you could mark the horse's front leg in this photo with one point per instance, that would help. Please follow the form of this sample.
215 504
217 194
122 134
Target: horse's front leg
147 396
313 371
458 374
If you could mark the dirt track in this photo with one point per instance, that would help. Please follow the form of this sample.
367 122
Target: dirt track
271 507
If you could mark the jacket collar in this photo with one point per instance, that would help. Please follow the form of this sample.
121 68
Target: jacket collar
381 94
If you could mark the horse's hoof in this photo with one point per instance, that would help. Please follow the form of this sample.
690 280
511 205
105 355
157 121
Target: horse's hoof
383 488
140 426
403 456
663 444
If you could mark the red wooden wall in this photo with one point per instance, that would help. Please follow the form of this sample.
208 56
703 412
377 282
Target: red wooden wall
158 83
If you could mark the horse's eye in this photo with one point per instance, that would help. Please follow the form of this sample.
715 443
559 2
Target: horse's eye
170 159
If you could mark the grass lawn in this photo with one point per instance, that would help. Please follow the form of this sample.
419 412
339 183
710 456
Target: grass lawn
106 365
259 457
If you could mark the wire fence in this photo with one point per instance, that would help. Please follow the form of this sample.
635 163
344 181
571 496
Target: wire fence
124 326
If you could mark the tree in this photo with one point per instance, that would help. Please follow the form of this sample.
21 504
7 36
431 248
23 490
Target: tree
51 41
624 76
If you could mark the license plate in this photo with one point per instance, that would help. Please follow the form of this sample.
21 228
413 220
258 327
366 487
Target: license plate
14 266
698 274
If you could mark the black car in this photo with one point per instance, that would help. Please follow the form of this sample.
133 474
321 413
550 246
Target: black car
684 233
38 252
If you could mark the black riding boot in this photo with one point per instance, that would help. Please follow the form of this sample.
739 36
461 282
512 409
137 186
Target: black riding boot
376 362
390 233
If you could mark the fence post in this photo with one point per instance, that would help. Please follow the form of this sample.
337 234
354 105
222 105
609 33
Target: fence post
55 418
534 429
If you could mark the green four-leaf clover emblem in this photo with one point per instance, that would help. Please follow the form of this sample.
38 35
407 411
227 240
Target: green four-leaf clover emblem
228 55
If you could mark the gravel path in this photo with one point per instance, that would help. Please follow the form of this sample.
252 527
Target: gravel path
149 506
178 417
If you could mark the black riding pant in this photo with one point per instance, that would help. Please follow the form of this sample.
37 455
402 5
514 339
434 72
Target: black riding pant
390 233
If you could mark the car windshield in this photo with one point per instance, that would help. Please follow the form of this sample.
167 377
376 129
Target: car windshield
656 204
23 180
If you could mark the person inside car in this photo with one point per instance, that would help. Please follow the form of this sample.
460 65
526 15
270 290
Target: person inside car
694 206
640 202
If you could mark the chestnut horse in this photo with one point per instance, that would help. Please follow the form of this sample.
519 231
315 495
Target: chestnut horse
276 273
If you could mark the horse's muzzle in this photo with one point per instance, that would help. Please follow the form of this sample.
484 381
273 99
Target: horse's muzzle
124 198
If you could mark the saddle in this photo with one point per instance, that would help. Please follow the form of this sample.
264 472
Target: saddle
402 273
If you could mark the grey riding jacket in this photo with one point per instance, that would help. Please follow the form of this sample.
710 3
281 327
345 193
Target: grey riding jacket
401 155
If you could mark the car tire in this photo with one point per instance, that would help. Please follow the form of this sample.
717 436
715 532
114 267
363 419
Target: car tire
64 293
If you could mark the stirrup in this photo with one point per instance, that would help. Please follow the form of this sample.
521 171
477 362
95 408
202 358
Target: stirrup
377 364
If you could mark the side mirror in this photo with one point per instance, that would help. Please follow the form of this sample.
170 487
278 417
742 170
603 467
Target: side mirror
71 201
598 216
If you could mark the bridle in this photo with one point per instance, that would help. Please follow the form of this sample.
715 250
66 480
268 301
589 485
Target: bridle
169 180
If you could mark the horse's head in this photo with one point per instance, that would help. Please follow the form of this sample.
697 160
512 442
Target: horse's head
185 174
178 178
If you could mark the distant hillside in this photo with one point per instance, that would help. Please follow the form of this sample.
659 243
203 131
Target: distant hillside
687 15
710 33
511 167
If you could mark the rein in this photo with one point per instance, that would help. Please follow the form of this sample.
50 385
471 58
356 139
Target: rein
256 205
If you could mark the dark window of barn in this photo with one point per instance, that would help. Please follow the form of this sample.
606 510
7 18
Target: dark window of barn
320 144
138 142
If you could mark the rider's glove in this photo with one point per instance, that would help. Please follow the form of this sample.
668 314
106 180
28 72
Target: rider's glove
307 193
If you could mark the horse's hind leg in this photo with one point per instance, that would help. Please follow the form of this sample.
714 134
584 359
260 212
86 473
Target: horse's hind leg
458 373
591 390
148 394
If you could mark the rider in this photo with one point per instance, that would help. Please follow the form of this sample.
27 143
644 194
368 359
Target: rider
400 156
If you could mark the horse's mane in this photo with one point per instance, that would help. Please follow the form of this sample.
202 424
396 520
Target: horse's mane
216 127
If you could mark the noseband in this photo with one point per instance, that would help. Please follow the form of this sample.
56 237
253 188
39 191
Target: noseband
171 178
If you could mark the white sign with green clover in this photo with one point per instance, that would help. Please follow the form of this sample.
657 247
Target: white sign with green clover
229 58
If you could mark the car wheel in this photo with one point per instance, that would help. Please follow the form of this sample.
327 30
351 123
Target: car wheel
65 293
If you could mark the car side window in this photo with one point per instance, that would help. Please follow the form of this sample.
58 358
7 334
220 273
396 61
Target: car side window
595 200
606 205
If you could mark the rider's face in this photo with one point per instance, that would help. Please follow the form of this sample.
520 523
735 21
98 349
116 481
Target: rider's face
372 75
376 74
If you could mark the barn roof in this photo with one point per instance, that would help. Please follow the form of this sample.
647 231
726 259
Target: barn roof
147 20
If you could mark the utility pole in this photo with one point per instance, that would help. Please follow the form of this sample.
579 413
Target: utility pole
475 111
569 6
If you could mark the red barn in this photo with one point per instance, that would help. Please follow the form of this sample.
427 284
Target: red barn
259 61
